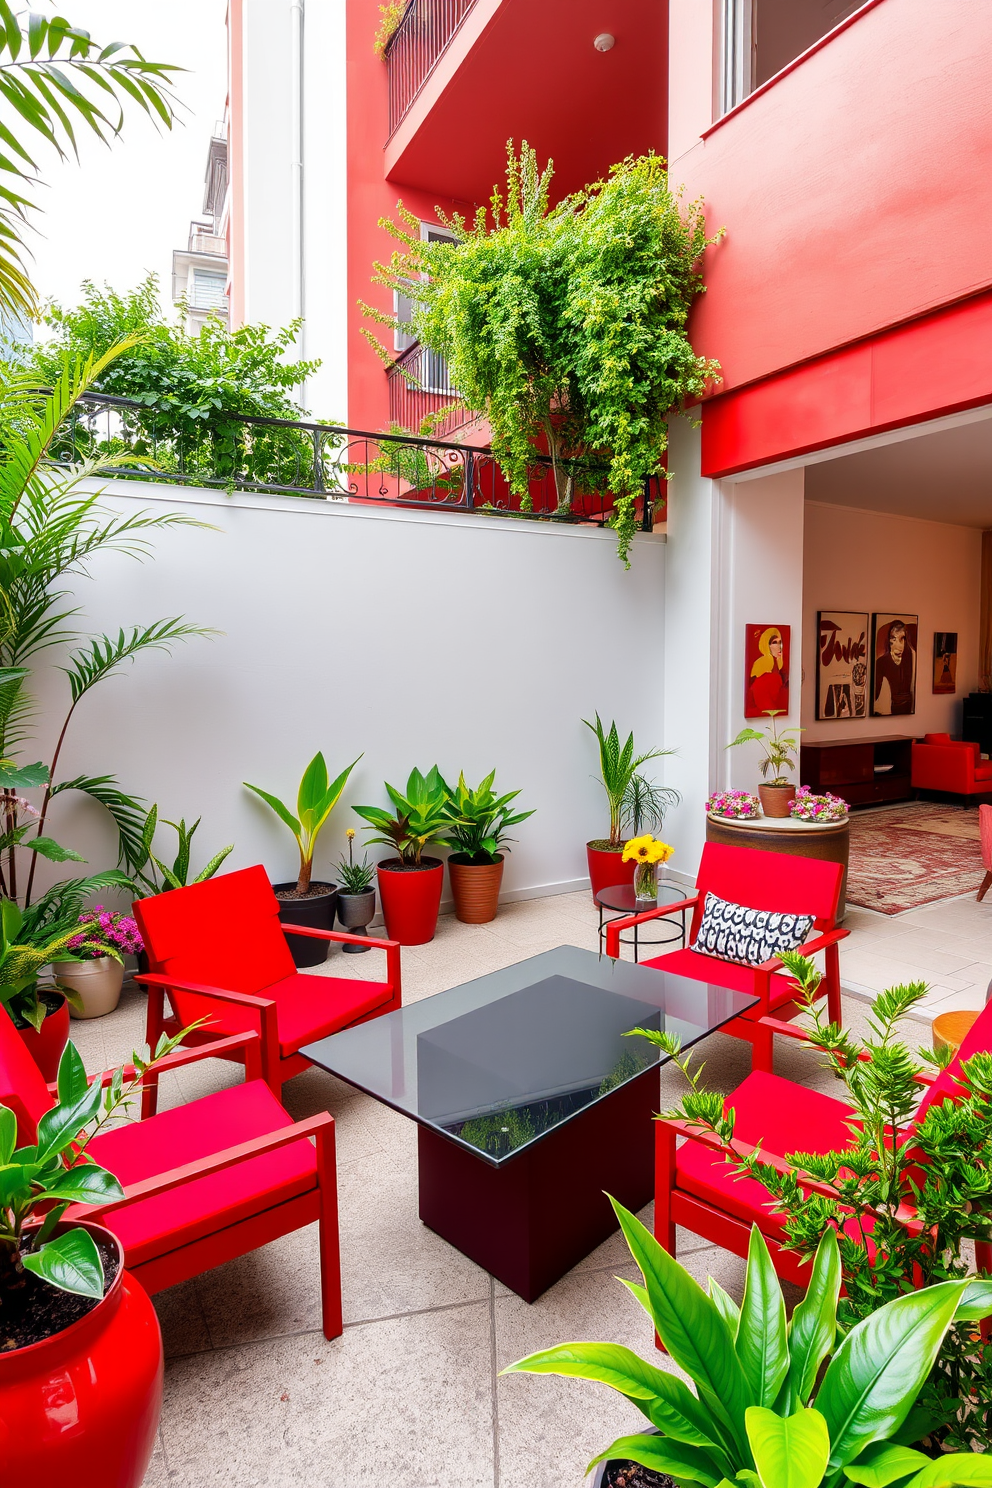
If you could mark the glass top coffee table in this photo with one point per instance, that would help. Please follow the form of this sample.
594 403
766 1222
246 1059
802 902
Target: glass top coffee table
529 1100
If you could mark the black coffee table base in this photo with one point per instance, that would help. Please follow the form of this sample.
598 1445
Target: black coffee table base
532 1219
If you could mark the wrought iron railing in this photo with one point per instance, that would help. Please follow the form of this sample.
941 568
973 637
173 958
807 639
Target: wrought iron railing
330 463
415 46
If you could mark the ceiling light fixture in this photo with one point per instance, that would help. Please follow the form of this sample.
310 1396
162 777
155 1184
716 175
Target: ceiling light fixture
604 42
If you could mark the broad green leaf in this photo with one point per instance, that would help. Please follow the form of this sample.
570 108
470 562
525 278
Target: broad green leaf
22 777
976 1304
789 1451
59 1126
53 851
883 1463
762 1342
725 1305
283 812
214 864
70 1262
16 1178
11 920
813 1328
84 1183
313 786
663 1456
72 1081
955 1470
8 1134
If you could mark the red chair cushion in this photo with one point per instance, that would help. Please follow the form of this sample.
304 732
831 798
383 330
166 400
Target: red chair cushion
307 1008
700 968
188 1134
983 770
936 738
783 1117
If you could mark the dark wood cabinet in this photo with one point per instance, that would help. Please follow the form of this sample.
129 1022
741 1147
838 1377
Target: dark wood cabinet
863 771
976 720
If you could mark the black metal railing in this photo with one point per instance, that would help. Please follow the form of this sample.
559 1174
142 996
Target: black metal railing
429 395
331 463
415 46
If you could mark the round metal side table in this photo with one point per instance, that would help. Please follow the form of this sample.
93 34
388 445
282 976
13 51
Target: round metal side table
620 898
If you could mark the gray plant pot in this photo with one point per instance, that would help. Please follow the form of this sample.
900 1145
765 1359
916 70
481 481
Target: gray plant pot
354 913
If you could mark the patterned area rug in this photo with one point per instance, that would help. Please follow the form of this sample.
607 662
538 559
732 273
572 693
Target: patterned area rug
904 856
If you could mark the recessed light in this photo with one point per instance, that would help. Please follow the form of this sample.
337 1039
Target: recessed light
604 42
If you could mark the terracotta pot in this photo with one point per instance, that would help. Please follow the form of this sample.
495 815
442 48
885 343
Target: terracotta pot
475 887
776 799
82 1407
410 899
606 868
45 1047
97 982
317 912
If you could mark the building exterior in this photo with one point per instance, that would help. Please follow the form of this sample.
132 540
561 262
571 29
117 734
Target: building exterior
845 459
200 270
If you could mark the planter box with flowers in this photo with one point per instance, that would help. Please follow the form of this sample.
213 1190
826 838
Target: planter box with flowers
95 969
738 805
826 808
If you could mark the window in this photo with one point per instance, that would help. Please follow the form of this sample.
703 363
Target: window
208 290
760 37
404 305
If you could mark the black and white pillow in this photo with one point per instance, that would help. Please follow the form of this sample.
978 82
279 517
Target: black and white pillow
732 932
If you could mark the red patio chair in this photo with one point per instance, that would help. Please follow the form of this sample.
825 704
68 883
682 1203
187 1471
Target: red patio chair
759 880
205 1182
220 952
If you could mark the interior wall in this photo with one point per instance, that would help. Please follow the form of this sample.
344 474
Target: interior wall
872 561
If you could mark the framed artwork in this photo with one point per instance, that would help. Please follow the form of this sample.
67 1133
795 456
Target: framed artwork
841 664
945 660
893 664
766 670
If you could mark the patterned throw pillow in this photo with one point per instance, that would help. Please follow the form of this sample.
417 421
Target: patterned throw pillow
731 932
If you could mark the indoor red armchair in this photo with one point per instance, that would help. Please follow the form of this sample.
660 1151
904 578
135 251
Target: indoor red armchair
955 766
204 1182
219 950
766 881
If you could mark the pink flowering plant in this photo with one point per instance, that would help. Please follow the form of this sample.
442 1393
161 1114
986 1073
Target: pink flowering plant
106 931
811 808
739 804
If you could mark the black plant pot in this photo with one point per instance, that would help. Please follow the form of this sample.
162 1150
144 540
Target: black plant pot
354 912
316 912
608 1472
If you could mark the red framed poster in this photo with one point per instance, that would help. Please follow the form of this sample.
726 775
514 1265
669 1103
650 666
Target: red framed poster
766 670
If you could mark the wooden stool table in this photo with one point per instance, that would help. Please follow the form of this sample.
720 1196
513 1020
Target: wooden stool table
951 1029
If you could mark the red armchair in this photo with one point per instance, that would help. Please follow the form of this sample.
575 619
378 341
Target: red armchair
759 880
219 950
954 766
205 1182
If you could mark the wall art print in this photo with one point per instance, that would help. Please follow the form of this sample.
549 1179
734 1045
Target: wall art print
766 670
945 660
893 667
841 664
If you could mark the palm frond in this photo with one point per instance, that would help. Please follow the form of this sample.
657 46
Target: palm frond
127 811
102 656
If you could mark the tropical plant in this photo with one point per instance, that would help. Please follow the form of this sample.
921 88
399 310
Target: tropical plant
148 873
54 79
315 801
564 325
906 1198
422 816
617 767
645 805
479 820
23 953
781 749
357 878
764 1412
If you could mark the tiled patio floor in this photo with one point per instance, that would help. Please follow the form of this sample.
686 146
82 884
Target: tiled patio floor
410 1397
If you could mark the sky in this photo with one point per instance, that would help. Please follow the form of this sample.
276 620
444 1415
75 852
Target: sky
122 210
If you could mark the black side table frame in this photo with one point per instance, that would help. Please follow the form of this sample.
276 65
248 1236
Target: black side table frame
609 899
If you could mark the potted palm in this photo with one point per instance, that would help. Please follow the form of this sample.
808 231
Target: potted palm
618 766
305 902
410 883
477 835
356 896
781 753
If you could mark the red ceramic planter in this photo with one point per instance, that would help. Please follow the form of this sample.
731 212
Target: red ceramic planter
410 899
45 1047
82 1407
608 868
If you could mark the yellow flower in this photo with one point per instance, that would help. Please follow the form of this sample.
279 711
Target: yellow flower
646 850
350 834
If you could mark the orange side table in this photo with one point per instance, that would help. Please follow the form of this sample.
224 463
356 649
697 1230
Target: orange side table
951 1029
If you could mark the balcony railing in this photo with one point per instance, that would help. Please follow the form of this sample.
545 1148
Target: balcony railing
427 397
329 463
415 46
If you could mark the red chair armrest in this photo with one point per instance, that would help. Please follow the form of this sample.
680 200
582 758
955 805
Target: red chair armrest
246 999
781 1025
366 940
828 938
615 927
183 1056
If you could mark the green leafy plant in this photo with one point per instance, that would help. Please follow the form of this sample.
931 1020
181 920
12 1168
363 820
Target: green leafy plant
617 765
564 325
23 953
479 820
422 816
391 14
315 801
645 805
150 875
764 1412
357 878
781 749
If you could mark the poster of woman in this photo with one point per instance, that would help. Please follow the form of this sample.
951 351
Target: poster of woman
841 664
766 670
893 679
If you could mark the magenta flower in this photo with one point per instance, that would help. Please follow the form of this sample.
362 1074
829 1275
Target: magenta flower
109 926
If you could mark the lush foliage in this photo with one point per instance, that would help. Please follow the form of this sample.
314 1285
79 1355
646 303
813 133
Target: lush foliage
618 765
189 386
148 873
645 805
781 750
315 801
391 14
764 1412
356 878
422 816
113 927
904 1198
479 820
735 803
29 942
39 1182
813 808
53 80
565 325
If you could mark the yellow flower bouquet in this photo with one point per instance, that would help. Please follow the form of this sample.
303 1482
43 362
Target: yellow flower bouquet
647 852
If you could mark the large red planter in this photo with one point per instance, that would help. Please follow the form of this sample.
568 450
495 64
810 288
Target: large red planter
410 899
45 1046
607 868
82 1407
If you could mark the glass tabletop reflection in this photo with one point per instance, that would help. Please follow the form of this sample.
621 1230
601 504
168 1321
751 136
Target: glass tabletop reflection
497 1063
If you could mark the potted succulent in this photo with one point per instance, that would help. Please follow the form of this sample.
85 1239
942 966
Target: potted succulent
356 896
479 820
763 1407
618 766
77 1332
93 973
781 753
306 902
410 883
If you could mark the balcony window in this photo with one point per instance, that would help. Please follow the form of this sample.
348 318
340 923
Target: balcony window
760 37
209 290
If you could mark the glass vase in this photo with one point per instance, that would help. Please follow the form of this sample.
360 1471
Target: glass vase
646 883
